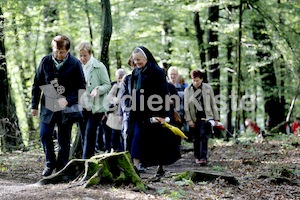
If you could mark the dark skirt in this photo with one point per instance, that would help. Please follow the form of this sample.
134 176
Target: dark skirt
158 145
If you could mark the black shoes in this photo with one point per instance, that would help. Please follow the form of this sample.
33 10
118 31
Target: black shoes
160 172
47 171
136 171
140 169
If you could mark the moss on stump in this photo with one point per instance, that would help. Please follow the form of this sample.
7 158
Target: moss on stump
112 168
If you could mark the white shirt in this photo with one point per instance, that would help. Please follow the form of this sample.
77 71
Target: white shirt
87 68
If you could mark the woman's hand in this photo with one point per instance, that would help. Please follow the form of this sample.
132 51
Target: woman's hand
94 92
161 120
191 124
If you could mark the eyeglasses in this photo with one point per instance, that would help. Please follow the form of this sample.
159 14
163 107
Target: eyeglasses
60 52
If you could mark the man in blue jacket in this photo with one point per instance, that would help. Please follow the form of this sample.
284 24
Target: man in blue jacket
61 78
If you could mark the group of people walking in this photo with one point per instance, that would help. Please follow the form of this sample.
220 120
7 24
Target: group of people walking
130 105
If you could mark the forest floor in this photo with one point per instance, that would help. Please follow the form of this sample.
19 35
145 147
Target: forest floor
269 169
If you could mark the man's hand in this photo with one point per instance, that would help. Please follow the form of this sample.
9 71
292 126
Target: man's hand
34 112
62 102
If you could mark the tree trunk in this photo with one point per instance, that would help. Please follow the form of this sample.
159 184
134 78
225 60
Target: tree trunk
274 107
106 33
50 16
115 168
89 21
11 137
77 146
238 71
166 43
213 52
199 36
118 59
229 81
292 105
26 75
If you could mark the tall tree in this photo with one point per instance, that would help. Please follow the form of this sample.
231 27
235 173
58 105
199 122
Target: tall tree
274 107
86 9
199 35
106 33
212 51
166 42
9 127
26 74
238 70
50 18
229 46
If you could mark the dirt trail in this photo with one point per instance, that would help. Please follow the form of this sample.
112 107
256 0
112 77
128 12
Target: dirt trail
246 161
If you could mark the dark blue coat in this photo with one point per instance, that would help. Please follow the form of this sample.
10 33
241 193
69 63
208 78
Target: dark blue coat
69 78
153 82
159 146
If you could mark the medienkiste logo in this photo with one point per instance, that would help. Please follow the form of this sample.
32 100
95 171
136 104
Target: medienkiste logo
53 92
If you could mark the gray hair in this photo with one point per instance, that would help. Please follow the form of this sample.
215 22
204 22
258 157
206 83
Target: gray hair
120 72
172 68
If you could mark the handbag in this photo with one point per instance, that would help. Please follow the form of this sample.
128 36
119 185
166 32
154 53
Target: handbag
177 117
72 114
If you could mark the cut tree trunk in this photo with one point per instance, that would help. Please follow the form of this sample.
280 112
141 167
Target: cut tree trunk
200 176
113 168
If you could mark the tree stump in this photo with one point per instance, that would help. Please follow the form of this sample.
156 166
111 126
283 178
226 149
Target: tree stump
112 168
199 176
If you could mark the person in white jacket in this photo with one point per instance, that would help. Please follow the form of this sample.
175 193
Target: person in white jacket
200 106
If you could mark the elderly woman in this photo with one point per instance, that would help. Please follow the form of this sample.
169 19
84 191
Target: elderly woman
114 120
98 84
150 144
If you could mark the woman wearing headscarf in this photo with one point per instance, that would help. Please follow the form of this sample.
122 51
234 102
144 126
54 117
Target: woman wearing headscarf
150 143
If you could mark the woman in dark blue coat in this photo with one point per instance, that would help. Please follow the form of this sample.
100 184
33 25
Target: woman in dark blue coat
150 143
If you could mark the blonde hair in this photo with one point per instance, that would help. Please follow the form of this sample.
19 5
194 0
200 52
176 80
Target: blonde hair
84 46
